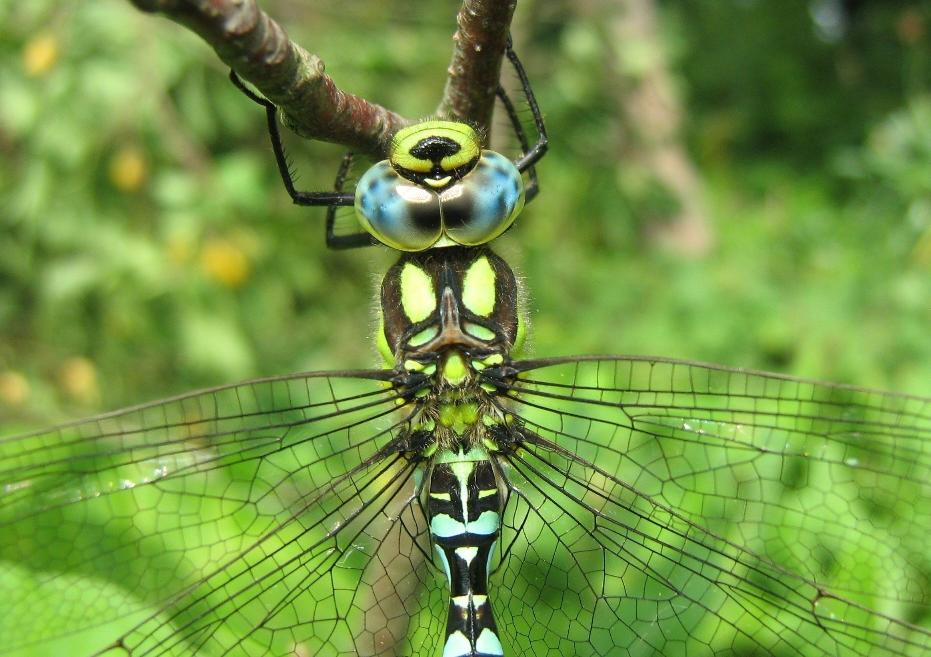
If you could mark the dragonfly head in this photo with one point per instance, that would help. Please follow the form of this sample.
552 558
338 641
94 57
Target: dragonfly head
449 312
438 187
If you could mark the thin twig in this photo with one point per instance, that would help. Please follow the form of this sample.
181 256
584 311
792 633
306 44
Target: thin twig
258 49
475 70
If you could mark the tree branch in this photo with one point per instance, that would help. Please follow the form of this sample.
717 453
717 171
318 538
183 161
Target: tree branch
475 70
248 41
258 49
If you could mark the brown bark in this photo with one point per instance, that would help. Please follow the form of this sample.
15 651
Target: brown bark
248 41
475 70
652 112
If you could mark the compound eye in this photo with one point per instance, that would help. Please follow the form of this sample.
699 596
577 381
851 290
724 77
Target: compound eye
396 212
485 203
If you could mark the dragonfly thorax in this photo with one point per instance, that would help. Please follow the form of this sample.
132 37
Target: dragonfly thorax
451 312
438 188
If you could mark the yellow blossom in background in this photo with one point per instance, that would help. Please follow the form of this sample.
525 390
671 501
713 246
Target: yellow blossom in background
128 169
77 378
14 388
225 262
40 54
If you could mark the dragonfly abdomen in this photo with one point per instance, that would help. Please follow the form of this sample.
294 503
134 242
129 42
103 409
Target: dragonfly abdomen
463 508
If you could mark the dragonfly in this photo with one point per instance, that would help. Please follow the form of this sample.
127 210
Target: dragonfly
462 501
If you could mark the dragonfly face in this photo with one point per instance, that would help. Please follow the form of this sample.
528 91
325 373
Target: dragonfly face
438 187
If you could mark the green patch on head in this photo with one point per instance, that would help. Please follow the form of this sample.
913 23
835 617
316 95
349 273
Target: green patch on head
418 298
401 154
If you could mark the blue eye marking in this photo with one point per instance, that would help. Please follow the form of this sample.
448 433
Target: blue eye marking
411 217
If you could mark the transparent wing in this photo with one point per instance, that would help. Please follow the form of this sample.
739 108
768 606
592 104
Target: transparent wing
274 517
671 508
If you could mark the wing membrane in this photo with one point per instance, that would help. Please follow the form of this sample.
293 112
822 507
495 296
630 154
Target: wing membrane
725 508
654 508
267 517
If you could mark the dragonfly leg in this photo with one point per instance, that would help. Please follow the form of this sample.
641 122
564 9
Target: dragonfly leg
334 198
533 155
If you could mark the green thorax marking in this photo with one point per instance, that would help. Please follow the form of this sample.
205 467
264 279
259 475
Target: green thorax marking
458 417
418 298
455 370
478 288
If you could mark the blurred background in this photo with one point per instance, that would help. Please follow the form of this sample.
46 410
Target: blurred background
737 181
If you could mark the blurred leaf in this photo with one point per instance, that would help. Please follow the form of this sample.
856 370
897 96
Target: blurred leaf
215 345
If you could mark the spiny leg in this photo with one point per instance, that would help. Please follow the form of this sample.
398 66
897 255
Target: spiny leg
299 197
533 155
533 185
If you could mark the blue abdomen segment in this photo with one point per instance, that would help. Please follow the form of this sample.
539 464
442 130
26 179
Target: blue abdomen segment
463 508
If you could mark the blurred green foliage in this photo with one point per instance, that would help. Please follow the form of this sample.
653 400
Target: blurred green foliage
148 246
